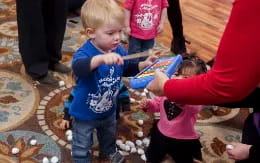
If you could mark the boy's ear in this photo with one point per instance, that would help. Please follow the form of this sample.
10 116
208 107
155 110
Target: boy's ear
90 32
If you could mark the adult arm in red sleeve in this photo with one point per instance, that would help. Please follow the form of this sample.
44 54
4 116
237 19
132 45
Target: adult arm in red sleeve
236 72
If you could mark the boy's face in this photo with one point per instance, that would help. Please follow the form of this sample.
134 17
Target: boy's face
107 37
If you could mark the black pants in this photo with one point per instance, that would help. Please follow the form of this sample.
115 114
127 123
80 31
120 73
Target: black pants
249 134
41 27
182 151
175 18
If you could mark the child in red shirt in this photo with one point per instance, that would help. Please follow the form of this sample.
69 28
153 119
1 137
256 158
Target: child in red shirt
144 20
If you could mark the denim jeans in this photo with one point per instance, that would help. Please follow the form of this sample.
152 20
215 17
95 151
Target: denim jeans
137 45
83 138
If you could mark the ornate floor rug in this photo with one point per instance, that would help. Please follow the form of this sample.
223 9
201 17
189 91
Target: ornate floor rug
30 114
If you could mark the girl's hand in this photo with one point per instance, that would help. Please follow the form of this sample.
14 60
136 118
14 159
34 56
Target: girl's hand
160 28
157 84
64 124
127 30
143 104
240 151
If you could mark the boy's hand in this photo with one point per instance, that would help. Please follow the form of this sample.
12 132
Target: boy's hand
144 104
160 28
240 151
64 124
108 59
112 59
157 84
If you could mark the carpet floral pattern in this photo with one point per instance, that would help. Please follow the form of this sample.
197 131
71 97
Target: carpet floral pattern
18 100
29 111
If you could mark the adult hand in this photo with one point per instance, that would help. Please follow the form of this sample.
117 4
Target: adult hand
240 151
156 85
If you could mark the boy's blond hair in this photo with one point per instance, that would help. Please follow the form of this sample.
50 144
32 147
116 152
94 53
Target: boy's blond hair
95 13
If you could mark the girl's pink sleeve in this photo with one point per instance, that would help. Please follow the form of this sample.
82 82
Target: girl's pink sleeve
129 4
154 104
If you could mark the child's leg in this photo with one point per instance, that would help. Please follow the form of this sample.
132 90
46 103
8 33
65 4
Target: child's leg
82 140
146 44
157 147
134 45
181 150
106 133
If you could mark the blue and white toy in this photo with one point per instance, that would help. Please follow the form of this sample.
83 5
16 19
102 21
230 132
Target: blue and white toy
167 65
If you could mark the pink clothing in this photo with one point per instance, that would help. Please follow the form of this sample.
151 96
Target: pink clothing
182 126
145 17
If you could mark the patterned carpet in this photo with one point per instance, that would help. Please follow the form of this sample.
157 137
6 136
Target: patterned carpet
31 113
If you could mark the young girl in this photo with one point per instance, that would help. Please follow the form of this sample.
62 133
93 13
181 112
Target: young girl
144 19
174 134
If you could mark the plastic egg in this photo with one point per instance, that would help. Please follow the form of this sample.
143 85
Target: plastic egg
33 142
54 159
15 150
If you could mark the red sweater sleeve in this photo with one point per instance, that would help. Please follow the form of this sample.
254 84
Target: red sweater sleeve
236 72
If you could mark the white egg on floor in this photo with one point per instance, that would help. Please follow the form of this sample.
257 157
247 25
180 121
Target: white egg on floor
140 134
33 142
133 150
143 157
68 132
132 100
130 143
140 151
146 141
54 159
45 160
123 147
61 83
15 150
69 137
119 142
138 142
140 122
127 148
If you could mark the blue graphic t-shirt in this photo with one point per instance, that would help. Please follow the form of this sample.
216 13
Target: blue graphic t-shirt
96 91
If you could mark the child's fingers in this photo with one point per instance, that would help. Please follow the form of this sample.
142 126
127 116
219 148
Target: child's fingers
67 124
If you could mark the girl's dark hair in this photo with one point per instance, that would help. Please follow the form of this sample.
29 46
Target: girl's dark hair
192 61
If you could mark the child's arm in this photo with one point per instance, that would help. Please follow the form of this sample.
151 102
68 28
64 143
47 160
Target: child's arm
108 59
162 21
152 105
84 66
127 21
147 62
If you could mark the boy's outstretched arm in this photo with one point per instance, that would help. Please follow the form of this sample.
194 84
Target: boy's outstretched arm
84 66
